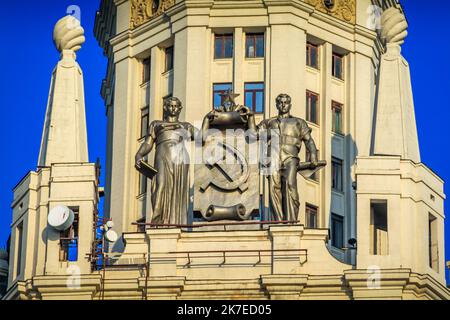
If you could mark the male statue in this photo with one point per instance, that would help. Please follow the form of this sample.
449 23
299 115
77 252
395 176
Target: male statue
288 132
170 186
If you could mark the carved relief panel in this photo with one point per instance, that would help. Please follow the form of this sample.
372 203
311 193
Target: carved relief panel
145 10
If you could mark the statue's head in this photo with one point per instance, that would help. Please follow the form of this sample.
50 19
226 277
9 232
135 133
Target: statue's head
172 107
283 102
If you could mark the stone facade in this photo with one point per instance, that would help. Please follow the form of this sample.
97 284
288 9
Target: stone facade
390 202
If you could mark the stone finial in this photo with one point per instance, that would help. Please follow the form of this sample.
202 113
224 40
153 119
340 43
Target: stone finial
68 34
393 27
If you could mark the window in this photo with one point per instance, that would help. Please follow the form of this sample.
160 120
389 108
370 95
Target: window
254 96
19 241
337 231
254 45
312 55
336 110
378 227
311 216
315 176
433 249
69 240
146 70
223 46
312 100
144 122
336 174
338 66
142 185
169 59
218 89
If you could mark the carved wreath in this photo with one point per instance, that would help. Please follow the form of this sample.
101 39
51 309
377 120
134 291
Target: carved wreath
145 10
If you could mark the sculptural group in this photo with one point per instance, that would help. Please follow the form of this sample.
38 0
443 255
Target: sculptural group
230 197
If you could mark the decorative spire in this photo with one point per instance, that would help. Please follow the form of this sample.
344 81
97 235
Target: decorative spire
68 34
393 28
64 139
395 131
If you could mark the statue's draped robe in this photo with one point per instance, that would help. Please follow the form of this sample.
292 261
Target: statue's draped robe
289 133
170 187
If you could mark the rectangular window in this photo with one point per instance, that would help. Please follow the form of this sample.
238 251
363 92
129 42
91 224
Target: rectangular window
336 174
168 59
144 121
378 227
254 96
312 55
223 46
433 248
315 176
338 66
19 241
336 110
337 231
218 89
146 70
254 45
311 216
142 184
69 239
312 101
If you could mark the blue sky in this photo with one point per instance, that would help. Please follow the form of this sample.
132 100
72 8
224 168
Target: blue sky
28 57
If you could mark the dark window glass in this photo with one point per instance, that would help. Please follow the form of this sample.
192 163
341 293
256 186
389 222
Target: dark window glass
146 70
338 66
169 59
69 240
379 237
142 184
223 46
218 89
312 55
254 45
336 109
144 121
315 175
337 231
19 239
254 96
336 174
311 216
312 101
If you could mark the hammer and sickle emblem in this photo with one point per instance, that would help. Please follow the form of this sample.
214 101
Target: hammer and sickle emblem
226 176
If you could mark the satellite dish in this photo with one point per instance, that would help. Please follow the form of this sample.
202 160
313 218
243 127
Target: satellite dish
60 218
111 236
109 224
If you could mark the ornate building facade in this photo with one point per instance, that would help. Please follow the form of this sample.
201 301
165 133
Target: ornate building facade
371 223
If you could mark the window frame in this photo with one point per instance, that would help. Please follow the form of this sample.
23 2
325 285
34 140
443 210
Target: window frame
333 66
315 176
254 36
146 66
19 243
254 94
219 92
339 162
310 45
169 62
336 218
310 94
309 208
337 106
69 237
223 37
145 113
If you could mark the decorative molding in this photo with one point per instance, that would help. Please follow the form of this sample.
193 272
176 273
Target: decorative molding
342 9
145 10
